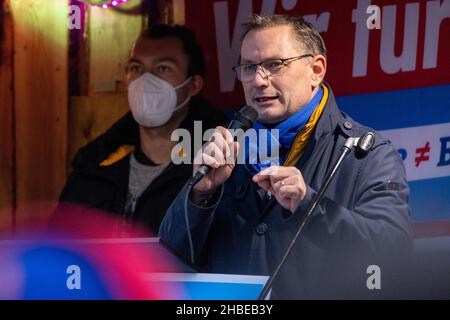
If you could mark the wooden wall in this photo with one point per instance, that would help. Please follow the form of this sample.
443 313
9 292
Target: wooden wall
179 13
111 35
41 126
40 103
6 122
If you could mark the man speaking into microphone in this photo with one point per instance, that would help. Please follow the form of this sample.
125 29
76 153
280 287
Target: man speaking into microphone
240 218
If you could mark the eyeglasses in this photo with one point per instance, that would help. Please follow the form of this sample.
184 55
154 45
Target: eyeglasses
246 72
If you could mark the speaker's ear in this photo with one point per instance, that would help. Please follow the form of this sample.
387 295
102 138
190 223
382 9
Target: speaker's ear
365 144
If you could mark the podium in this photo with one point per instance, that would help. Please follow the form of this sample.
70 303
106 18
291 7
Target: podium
201 286
103 269
209 286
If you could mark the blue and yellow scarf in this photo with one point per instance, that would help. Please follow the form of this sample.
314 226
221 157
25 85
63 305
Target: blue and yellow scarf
294 133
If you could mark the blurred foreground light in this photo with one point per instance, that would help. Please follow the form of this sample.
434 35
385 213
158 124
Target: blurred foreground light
78 258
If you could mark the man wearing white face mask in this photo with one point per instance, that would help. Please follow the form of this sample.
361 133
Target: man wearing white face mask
154 100
128 170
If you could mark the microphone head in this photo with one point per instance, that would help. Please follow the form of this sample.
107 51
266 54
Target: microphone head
246 116
365 143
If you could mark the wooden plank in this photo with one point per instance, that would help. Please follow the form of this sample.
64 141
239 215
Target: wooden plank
91 116
6 123
40 85
111 35
179 12
78 57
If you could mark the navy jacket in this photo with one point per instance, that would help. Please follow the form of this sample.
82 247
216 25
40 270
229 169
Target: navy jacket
362 220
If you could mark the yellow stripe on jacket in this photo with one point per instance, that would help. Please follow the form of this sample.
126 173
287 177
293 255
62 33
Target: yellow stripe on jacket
117 155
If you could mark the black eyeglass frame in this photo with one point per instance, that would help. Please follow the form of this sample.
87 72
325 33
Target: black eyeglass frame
284 62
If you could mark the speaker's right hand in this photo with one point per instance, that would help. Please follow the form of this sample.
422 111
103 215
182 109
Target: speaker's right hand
220 153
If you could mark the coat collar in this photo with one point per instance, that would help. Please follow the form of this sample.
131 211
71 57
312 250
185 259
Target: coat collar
331 118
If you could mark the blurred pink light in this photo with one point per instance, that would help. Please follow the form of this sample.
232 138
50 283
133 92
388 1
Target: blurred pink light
104 6
115 3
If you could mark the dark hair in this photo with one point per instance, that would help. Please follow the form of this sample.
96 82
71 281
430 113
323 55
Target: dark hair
308 37
196 60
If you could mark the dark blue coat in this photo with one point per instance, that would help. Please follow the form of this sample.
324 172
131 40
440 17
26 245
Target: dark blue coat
362 220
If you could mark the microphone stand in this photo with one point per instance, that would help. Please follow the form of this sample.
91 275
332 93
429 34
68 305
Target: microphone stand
348 146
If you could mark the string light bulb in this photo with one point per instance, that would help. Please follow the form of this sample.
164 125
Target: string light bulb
105 4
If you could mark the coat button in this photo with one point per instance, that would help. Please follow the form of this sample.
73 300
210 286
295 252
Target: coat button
261 228
348 125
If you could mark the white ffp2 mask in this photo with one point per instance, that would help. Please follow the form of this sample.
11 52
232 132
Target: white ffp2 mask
153 100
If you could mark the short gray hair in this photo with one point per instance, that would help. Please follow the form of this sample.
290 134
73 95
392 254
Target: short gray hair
308 37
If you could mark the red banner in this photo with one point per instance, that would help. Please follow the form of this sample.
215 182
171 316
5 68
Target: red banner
411 47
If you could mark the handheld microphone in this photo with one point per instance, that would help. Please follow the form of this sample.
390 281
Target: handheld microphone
244 120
